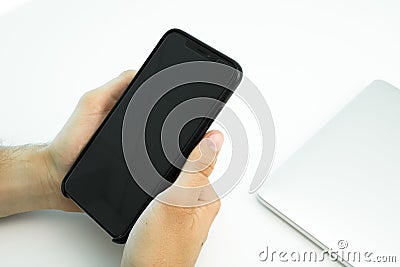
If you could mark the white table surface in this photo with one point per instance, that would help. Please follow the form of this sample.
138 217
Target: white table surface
307 57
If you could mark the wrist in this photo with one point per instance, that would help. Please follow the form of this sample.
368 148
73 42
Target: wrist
25 182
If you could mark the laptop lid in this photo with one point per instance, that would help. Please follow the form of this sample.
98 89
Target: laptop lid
342 188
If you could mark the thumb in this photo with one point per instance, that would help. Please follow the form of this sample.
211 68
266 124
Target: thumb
201 161
192 187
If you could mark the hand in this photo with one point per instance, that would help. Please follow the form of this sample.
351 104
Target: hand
90 112
167 235
164 235
31 175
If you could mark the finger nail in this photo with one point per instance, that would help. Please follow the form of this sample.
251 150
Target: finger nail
216 141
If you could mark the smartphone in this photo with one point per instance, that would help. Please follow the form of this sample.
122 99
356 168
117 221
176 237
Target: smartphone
99 181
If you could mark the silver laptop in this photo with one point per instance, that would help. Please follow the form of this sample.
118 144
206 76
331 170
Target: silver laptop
342 188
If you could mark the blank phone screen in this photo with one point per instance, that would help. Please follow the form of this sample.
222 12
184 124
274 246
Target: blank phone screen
100 182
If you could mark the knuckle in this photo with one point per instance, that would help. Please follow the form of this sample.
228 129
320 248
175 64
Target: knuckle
127 74
87 97
214 207
92 101
217 205
198 179
205 167
206 172
203 159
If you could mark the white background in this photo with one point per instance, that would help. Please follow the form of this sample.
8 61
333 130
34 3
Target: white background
308 58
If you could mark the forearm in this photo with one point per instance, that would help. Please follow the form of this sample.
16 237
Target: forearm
23 174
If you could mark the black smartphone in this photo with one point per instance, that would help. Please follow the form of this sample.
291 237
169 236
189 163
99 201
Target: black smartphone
99 181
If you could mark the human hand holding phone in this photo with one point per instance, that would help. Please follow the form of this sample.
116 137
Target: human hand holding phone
164 235
31 175
125 163
168 235
90 112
